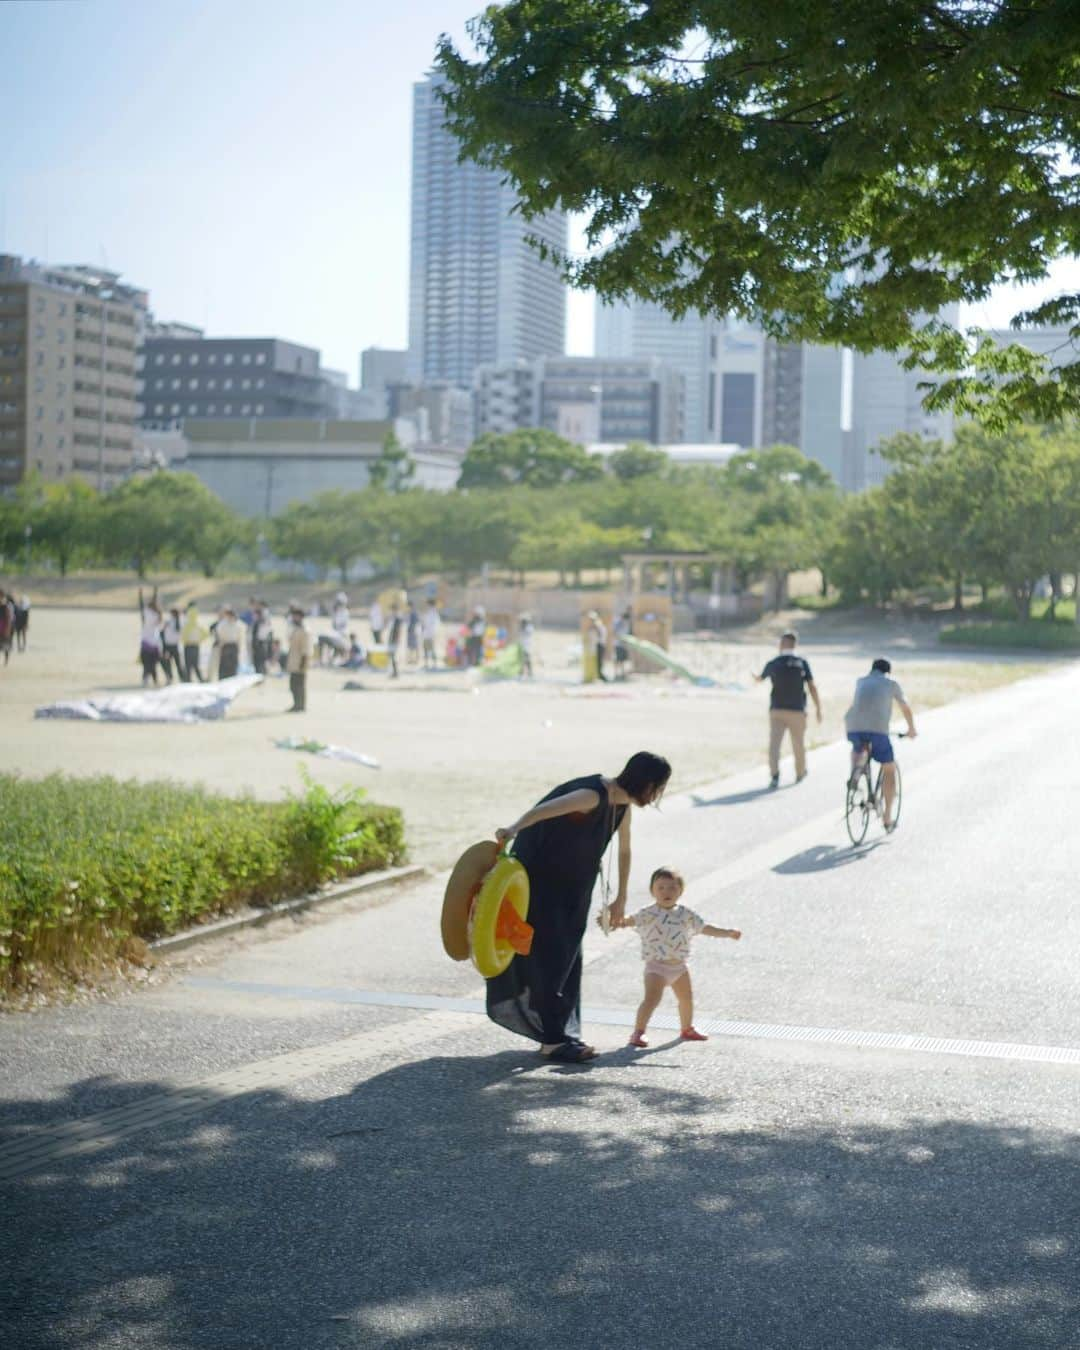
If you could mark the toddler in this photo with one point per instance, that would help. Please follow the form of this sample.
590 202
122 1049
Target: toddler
665 929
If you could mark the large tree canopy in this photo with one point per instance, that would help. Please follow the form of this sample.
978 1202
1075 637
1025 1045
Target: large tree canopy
838 169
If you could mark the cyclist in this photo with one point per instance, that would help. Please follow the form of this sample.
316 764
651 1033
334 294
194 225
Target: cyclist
867 724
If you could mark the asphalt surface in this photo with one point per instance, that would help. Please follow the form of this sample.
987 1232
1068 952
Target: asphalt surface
245 1156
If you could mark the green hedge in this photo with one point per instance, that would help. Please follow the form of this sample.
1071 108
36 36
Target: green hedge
88 864
1038 635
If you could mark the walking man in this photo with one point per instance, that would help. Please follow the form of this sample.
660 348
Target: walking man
298 660
791 679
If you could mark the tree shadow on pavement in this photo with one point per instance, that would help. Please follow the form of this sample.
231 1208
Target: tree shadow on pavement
465 1202
825 857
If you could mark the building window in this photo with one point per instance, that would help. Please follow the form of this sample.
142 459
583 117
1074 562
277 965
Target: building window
176 409
193 384
226 384
227 410
246 359
259 384
61 362
61 336
246 409
193 359
211 360
176 384
245 384
159 360
39 304
258 409
61 442
211 408
159 409
227 359
260 358
176 358
61 309
192 408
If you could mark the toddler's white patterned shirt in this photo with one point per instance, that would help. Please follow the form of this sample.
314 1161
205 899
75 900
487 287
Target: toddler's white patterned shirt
665 933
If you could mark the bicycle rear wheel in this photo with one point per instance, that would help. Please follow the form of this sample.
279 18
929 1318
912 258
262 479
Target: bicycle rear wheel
857 807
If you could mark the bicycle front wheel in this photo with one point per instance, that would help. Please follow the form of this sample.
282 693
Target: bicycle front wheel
857 808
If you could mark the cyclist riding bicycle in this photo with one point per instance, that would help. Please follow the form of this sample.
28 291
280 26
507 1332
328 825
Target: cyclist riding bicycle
867 724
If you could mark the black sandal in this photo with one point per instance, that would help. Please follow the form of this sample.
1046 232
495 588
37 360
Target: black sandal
570 1052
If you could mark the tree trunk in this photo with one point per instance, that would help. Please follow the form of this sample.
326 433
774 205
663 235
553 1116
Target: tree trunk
958 595
1022 599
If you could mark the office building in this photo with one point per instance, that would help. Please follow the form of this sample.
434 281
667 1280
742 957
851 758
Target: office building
802 401
641 329
261 467
381 367
232 377
478 293
70 342
445 412
583 398
885 401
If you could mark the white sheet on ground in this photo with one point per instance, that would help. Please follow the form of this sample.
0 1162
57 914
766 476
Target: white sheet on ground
174 703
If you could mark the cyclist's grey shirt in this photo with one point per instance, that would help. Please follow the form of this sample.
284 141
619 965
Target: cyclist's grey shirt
874 694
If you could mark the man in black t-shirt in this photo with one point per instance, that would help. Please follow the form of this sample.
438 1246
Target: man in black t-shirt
791 679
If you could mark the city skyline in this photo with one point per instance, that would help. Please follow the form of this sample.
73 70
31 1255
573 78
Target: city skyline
251 193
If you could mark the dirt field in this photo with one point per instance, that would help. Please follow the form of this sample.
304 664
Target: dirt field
460 754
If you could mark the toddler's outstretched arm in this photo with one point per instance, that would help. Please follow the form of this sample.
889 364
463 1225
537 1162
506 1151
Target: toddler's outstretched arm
710 930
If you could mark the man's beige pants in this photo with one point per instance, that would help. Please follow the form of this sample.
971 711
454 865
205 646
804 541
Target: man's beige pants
781 720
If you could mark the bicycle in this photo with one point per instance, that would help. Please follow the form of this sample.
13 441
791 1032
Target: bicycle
865 794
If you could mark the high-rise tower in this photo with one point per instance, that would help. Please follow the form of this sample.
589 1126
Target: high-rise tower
478 293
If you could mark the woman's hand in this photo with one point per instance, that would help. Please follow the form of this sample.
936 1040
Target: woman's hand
504 836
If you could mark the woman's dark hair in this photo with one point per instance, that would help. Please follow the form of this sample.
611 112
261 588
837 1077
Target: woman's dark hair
645 776
882 665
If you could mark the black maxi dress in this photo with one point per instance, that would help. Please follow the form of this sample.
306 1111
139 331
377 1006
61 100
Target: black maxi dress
539 995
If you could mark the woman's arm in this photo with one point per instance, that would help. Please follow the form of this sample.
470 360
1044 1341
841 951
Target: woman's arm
581 799
618 906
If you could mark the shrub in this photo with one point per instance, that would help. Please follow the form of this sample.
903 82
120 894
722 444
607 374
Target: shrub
88 864
1039 635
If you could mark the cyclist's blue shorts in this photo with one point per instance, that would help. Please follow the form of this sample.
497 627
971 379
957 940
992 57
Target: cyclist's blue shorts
879 743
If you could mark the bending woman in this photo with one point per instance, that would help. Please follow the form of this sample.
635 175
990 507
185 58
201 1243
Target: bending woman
560 843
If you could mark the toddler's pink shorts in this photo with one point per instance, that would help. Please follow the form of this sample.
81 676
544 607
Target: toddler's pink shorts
669 971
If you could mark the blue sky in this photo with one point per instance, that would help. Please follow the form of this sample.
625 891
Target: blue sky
247 161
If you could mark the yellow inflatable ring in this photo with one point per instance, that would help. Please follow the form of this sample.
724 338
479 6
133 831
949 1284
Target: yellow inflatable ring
497 927
461 890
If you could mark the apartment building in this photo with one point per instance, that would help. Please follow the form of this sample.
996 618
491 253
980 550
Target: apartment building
70 347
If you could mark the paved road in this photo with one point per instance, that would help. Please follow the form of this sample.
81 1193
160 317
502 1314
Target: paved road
279 1148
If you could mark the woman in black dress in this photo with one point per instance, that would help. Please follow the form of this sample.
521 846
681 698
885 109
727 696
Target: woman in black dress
560 843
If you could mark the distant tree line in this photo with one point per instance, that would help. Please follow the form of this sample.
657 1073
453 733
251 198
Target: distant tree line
998 511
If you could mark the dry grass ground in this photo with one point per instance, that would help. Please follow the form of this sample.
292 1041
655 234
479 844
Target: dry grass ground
460 755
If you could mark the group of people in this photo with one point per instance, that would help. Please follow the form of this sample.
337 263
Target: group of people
866 722
561 841
418 628
597 637
14 623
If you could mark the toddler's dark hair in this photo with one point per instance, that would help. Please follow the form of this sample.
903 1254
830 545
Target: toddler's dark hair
669 872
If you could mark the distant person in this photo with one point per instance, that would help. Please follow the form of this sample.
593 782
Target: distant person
339 618
624 627
7 625
596 636
412 636
150 639
22 621
262 635
192 636
376 620
393 638
791 679
229 635
526 632
429 631
867 726
474 643
298 660
357 656
170 646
